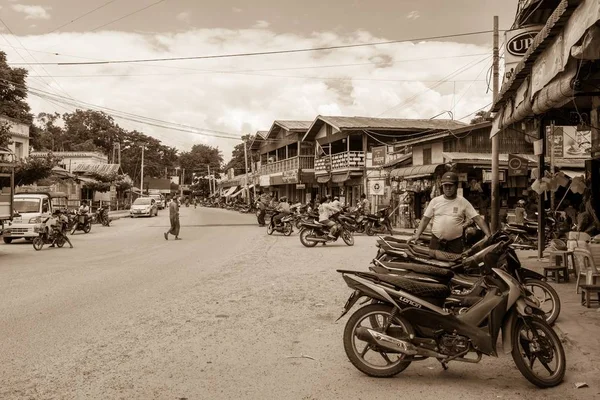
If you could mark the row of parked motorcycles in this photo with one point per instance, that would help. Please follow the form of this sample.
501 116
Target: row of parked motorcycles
74 221
240 207
424 304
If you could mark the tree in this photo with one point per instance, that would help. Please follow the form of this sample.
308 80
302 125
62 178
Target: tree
5 135
480 116
47 134
13 92
30 170
197 160
237 161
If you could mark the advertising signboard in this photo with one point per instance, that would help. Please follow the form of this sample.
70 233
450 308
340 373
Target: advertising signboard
377 187
517 42
517 166
379 155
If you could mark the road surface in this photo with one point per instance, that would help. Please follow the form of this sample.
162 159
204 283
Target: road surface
228 312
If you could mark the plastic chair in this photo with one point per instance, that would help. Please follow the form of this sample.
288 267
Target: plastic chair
584 265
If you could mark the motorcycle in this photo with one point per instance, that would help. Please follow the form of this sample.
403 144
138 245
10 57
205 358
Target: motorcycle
81 222
101 216
466 282
285 225
379 223
525 236
408 323
48 235
313 233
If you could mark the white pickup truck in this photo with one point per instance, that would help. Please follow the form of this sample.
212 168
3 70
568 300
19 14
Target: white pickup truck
29 210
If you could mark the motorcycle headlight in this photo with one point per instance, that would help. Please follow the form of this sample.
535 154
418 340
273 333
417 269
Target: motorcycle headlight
35 220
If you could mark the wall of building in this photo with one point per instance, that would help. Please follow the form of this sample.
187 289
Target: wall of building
19 137
72 158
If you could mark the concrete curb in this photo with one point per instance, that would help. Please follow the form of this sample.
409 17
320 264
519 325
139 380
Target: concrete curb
113 215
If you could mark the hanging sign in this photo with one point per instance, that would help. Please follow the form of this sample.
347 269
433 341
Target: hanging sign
517 166
377 187
379 155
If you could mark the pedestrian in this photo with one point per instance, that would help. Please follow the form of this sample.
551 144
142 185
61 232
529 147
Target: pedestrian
174 218
449 213
520 213
263 202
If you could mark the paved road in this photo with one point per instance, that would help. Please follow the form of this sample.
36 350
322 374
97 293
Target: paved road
227 312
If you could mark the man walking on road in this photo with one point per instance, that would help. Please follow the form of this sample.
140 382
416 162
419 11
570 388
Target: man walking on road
174 218
449 213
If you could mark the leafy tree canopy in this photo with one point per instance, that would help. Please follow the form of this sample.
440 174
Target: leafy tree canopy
13 92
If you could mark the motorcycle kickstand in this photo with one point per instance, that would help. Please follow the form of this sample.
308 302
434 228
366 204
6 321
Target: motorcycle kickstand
444 364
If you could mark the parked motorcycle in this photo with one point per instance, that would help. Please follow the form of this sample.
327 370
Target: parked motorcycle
101 216
397 250
313 233
410 324
82 222
284 226
379 223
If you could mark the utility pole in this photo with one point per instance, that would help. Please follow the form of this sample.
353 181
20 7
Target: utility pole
142 172
496 139
552 197
209 181
246 162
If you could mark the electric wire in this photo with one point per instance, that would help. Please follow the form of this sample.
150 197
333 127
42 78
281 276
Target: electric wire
129 15
82 16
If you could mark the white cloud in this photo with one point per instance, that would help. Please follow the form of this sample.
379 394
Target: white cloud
184 16
33 26
237 9
32 12
187 92
261 24
413 15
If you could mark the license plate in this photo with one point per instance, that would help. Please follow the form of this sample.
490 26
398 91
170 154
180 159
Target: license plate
17 219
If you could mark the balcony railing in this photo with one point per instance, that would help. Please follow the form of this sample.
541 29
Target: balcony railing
341 161
289 164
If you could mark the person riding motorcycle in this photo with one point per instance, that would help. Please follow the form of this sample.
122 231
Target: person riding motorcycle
60 223
337 204
262 204
84 210
326 210
283 209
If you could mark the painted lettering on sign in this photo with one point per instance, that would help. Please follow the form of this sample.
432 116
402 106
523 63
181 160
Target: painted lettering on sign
518 45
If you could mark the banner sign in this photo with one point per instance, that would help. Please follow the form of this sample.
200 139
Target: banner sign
517 166
290 176
377 187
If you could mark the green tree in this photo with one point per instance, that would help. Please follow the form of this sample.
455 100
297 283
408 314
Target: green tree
5 136
30 170
47 134
197 160
237 161
13 92
480 117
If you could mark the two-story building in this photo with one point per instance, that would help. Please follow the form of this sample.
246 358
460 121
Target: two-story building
352 153
287 163
19 136
468 152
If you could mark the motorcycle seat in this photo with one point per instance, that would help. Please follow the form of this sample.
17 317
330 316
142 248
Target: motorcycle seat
421 289
445 256
420 269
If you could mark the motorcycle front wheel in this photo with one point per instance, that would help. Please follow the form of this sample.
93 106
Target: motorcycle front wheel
365 356
60 242
369 230
270 229
546 296
538 352
87 227
38 243
347 237
304 238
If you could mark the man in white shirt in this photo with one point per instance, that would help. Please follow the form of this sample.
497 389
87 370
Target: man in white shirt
449 213
326 210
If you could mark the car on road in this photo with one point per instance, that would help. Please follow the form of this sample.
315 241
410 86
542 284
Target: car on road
160 200
143 207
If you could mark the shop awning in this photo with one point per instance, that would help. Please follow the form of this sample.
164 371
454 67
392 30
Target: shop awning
483 158
572 174
229 191
323 179
420 170
339 178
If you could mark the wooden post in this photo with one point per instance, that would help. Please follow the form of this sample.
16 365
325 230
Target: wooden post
541 208
364 149
496 139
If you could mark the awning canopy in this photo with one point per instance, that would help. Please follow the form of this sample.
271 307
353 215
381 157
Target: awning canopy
339 178
483 158
417 170
323 179
229 191
572 174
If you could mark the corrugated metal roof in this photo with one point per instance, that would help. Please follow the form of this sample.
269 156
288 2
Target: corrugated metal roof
101 169
440 135
391 123
399 160
381 124
417 170
294 125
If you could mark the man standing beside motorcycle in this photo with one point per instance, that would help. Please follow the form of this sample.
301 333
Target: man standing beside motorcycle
449 213
364 205
263 203
283 209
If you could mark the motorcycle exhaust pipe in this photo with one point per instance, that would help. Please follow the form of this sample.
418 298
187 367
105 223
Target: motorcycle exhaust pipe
386 342
316 239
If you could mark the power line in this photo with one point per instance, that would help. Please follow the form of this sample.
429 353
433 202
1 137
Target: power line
129 15
81 16
262 53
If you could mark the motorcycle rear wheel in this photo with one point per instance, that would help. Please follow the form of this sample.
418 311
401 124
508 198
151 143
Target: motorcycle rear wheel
358 354
369 230
347 237
287 229
549 295
60 242
38 243
270 229
87 227
533 336
304 234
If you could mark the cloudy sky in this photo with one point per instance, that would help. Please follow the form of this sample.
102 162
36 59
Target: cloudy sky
236 95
